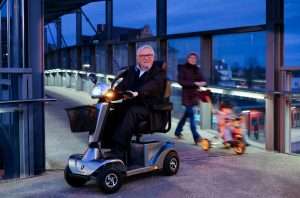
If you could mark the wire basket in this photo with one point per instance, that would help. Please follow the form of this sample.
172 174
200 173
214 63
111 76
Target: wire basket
82 118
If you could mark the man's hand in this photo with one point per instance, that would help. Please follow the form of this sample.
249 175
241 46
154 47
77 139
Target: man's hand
130 94
200 84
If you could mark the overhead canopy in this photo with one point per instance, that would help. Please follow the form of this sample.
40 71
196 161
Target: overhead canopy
57 8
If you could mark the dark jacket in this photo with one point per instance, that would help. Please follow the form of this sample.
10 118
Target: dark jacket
187 75
150 86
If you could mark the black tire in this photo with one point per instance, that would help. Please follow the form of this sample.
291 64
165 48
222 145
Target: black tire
109 179
171 164
239 147
73 180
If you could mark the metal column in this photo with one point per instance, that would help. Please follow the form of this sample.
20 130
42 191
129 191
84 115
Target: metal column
35 48
275 103
78 27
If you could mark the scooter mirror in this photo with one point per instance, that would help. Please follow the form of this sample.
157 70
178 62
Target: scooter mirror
93 78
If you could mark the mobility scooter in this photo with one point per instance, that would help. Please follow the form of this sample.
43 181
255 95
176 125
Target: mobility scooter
142 157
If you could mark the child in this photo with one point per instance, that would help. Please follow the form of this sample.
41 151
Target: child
225 125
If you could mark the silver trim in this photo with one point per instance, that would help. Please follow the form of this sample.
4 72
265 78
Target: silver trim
141 170
91 154
87 168
103 107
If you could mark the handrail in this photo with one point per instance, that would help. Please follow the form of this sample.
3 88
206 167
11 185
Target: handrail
13 70
27 101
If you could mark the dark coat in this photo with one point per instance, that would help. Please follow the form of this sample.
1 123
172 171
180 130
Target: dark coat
187 75
150 86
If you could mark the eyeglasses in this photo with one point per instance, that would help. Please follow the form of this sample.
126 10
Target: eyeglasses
146 55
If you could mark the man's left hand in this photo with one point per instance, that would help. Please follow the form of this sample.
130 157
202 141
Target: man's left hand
131 94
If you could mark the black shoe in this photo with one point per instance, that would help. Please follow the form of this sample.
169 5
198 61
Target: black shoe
180 136
117 154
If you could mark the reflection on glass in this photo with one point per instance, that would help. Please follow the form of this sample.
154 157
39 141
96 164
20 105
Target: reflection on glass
134 19
199 15
252 112
68 28
9 145
295 82
295 126
101 59
96 15
120 57
74 58
291 33
86 58
177 52
65 58
51 36
239 60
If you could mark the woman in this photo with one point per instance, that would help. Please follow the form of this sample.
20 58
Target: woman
190 78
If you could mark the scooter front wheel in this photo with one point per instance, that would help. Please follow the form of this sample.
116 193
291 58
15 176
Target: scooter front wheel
109 179
72 180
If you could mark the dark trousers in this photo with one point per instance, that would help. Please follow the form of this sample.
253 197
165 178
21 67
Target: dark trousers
189 113
129 125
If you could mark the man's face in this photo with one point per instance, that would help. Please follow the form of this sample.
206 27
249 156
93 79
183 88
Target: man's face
192 59
145 58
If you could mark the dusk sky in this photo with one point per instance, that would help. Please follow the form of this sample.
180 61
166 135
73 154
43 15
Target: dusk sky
197 15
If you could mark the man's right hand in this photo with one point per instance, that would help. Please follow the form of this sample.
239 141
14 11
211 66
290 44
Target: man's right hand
200 84
130 94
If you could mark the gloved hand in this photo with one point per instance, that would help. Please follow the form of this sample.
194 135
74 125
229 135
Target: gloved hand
130 94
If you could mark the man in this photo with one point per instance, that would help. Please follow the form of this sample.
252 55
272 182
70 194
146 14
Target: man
190 78
145 82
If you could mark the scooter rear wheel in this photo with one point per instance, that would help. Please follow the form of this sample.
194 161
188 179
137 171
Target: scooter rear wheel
72 179
171 164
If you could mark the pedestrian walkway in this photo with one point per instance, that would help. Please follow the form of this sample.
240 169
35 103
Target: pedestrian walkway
218 173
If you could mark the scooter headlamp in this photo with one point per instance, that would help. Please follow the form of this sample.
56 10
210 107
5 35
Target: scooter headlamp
99 90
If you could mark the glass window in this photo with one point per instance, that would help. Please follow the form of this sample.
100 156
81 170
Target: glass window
291 33
251 111
120 57
134 19
9 145
86 58
199 15
74 58
295 126
65 58
51 36
101 59
68 23
4 52
177 52
295 113
95 13
295 82
239 60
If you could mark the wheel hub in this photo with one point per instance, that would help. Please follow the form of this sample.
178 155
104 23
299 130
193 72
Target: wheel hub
111 180
173 164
